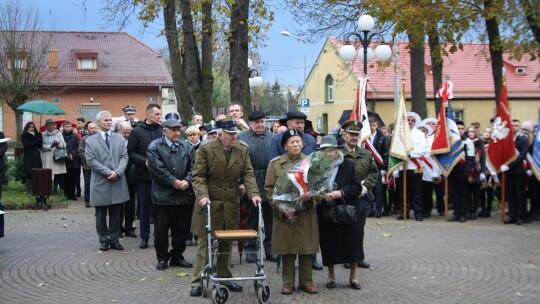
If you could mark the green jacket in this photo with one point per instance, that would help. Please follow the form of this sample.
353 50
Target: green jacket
366 167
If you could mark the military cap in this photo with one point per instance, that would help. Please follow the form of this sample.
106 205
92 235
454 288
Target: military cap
288 134
49 121
328 141
210 128
171 123
184 123
129 109
256 115
352 126
172 115
228 126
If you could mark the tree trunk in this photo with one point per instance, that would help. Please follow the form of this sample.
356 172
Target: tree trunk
531 10
207 83
185 105
495 48
191 62
418 76
19 126
238 45
436 67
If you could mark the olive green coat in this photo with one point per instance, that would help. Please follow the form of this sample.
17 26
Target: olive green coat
218 180
364 163
302 235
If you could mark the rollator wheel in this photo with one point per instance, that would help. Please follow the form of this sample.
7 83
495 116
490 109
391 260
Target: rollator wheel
221 295
205 288
263 294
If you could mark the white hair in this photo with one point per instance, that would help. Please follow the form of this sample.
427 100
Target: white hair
102 114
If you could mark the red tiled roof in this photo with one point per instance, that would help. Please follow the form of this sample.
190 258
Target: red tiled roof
122 60
469 70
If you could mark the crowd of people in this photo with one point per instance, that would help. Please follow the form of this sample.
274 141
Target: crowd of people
164 171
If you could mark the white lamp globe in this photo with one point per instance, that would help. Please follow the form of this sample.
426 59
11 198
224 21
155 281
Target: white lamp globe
383 52
250 63
347 52
255 82
366 23
369 54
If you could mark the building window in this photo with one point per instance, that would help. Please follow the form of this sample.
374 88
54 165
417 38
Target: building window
86 59
458 114
329 86
87 63
17 60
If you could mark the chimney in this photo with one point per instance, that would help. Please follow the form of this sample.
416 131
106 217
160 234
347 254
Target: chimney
53 59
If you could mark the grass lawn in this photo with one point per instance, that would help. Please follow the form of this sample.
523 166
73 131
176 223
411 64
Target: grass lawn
14 197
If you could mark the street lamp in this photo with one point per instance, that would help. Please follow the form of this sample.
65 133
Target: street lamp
254 79
288 34
348 51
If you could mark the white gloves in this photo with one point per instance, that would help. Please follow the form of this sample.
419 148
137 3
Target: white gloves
529 173
364 189
482 177
384 177
504 168
395 174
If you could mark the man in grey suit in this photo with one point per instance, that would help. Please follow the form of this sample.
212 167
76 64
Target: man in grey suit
107 157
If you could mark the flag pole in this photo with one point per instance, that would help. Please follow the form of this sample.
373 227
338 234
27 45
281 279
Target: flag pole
503 197
446 198
405 212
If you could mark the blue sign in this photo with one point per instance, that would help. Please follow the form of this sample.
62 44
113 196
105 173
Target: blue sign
304 103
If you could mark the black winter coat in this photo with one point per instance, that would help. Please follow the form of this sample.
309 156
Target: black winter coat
166 165
32 155
72 149
138 142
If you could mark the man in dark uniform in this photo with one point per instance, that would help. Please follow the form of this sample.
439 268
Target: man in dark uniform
129 115
220 164
258 139
366 169
296 120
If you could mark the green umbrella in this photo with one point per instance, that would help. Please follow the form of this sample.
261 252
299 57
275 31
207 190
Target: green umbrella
41 107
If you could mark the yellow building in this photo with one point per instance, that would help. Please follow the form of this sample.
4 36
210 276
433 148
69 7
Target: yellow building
332 83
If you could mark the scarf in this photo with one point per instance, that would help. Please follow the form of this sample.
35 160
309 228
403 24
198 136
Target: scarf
335 168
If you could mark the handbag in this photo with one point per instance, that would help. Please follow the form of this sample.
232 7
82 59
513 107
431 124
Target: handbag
340 213
59 154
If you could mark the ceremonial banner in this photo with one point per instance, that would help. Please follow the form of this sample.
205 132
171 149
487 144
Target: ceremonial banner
535 162
501 150
401 139
359 111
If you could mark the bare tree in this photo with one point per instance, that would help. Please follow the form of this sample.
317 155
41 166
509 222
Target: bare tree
23 57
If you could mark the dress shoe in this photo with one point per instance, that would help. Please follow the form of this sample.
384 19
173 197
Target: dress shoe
196 291
161 265
454 219
355 285
144 244
510 221
347 265
316 266
441 213
363 264
472 216
370 214
104 246
234 287
87 204
418 217
130 233
116 245
287 290
462 219
71 198
400 217
330 284
519 222
251 257
309 289
272 258
377 215
180 263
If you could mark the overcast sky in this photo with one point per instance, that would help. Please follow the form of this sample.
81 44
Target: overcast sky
283 56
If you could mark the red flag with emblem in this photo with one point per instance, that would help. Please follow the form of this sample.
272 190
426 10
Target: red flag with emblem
502 149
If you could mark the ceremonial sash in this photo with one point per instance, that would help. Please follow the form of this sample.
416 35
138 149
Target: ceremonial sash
376 155
300 178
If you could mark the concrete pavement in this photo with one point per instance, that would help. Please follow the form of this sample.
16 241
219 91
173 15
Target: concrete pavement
52 257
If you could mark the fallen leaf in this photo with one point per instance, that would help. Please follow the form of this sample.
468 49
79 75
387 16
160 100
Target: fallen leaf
180 273
519 294
143 279
65 226
402 227
414 278
386 235
40 284
379 223
114 301
107 263
432 277
160 279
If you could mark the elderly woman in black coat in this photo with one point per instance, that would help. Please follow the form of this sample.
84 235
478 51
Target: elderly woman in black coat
32 141
340 243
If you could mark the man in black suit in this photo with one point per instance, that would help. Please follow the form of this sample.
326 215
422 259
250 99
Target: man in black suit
3 149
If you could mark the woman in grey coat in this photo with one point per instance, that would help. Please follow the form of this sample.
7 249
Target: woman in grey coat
52 141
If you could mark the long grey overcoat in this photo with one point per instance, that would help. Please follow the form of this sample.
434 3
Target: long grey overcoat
58 167
102 161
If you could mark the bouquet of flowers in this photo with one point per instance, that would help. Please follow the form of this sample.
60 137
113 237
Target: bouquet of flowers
307 176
